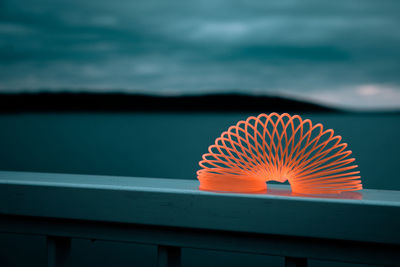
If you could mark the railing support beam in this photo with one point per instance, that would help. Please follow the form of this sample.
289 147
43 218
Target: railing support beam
168 256
58 251
295 262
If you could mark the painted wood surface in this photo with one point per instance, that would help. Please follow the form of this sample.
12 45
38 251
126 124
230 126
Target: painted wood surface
370 216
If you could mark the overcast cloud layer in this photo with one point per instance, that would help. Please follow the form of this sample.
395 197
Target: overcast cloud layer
342 53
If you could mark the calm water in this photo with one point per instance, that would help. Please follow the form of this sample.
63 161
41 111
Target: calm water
170 145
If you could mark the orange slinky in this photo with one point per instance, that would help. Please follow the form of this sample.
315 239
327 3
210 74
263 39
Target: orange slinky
279 148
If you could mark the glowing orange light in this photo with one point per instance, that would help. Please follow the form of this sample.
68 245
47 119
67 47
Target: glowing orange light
278 148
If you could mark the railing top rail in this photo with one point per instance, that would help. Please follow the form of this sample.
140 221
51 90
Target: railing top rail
370 216
364 197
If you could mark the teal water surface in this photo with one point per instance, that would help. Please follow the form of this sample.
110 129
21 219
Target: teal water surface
170 145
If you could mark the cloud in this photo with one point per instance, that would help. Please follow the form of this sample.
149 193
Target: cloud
358 97
337 52
218 30
372 90
14 29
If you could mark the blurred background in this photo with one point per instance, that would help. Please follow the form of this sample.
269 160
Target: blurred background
340 53
105 87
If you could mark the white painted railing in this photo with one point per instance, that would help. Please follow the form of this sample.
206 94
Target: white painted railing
173 214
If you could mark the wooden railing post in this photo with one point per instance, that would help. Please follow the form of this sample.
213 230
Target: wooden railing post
168 256
295 262
58 250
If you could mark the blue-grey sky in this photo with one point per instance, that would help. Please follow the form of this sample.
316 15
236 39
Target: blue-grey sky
341 53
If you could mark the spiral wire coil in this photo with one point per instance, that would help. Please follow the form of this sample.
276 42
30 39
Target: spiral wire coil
278 148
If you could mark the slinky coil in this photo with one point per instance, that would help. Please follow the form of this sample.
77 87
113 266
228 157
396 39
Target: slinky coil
278 148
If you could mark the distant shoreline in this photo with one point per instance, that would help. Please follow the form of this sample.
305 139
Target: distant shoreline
143 102
121 102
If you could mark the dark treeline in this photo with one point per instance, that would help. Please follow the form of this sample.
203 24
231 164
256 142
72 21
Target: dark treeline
44 102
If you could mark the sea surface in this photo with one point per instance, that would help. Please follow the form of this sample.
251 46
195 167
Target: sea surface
170 145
